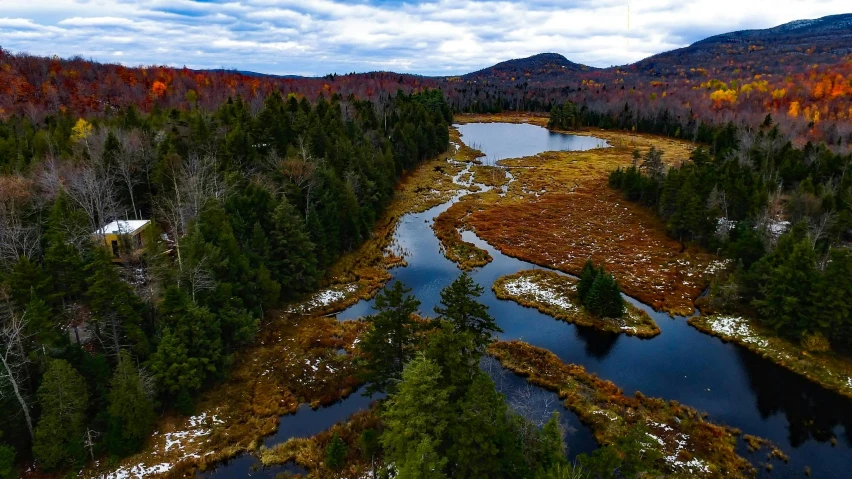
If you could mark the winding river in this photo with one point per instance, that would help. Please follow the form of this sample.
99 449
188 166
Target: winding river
733 385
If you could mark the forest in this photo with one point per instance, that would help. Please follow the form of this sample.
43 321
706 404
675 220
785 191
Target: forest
782 215
248 211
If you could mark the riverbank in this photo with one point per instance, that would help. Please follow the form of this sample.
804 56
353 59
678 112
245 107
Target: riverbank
689 445
829 370
556 295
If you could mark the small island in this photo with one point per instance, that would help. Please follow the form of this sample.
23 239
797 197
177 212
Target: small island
560 296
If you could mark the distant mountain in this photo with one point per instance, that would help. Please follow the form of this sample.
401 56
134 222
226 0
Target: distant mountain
543 64
823 40
251 73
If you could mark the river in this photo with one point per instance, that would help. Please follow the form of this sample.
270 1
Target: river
733 385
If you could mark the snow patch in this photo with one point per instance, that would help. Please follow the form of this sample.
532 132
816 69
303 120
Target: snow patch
325 298
526 287
735 326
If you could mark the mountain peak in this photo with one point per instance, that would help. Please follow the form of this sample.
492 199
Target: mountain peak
549 64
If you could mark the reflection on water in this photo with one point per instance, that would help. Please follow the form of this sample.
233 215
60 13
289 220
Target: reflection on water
508 140
734 386
597 343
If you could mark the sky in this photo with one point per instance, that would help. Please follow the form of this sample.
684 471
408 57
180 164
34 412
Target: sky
316 37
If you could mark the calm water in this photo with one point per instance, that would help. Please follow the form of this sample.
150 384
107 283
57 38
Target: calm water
734 386
510 140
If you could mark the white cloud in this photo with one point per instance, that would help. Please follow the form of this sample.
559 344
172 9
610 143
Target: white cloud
323 36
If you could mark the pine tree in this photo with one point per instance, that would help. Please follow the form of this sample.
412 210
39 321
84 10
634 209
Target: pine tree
461 308
131 409
7 460
335 453
391 339
786 293
294 261
832 311
190 349
416 419
115 306
587 278
63 398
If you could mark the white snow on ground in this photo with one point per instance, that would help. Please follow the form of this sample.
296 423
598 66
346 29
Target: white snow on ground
525 286
777 228
198 427
692 466
716 266
325 297
738 327
139 471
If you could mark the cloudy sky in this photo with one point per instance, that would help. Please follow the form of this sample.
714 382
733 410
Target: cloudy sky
315 37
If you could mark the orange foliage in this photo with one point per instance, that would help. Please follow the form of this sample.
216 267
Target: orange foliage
158 89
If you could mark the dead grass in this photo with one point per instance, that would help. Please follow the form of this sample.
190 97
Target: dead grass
310 452
564 304
830 370
492 176
560 212
691 446
446 227
463 152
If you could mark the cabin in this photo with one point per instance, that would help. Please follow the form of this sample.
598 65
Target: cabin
112 235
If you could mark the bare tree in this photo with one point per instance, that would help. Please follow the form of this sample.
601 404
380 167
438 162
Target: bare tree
14 360
195 181
92 188
128 164
819 229
200 278
17 239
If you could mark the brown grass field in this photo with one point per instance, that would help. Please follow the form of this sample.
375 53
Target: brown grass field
691 446
560 212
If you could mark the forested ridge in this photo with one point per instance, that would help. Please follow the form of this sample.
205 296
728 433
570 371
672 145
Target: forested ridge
248 210
800 73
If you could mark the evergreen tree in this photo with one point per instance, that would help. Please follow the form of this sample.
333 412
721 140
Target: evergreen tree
460 307
190 349
293 259
832 311
416 418
587 278
390 342
335 454
115 306
599 292
131 409
63 399
786 292
7 460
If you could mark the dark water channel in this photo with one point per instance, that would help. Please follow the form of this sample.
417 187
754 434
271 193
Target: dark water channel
733 385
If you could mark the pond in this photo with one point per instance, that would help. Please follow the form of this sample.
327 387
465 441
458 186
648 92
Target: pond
735 386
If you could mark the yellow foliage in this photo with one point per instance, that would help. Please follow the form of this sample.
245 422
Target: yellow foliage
82 129
794 109
779 93
724 95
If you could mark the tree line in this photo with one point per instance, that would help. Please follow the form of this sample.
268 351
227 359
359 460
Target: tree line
248 210
781 214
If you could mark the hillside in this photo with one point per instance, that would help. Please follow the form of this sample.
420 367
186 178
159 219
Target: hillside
799 72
